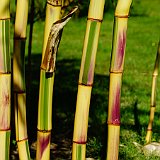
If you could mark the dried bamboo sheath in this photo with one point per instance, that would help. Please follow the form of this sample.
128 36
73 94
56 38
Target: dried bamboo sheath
5 80
116 70
153 96
95 16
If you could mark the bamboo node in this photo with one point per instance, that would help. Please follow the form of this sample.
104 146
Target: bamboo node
5 18
44 131
148 129
94 19
83 84
153 105
115 123
4 130
55 3
22 140
80 142
5 73
116 72
121 16
155 74
19 38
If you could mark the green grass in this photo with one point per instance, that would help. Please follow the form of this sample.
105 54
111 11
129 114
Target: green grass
142 40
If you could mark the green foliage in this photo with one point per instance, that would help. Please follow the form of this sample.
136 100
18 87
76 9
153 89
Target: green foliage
94 147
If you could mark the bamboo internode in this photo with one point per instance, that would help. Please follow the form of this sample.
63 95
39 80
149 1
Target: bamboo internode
5 58
5 101
4 10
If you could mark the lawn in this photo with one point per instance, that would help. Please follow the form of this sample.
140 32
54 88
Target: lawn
142 40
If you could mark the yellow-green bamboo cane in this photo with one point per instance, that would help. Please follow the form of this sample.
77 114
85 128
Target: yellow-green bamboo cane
116 70
95 16
48 66
53 12
5 80
153 96
19 79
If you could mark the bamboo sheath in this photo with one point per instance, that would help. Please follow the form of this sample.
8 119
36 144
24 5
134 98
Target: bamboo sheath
19 79
53 12
116 71
5 80
95 16
153 96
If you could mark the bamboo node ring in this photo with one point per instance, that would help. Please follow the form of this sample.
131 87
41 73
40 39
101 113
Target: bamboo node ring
94 19
80 142
121 16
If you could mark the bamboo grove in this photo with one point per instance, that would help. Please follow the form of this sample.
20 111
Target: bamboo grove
55 21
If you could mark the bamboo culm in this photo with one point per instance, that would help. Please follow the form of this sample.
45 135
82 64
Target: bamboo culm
153 96
95 16
19 78
5 80
44 126
47 81
116 71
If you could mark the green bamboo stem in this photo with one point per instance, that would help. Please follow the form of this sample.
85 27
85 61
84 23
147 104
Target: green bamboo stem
153 96
95 16
5 80
47 78
19 79
116 71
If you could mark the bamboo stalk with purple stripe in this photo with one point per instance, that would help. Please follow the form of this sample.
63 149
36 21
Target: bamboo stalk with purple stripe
153 96
47 77
19 78
5 80
95 16
116 71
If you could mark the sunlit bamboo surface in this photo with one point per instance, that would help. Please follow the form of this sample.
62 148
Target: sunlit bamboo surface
95 16
116 71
